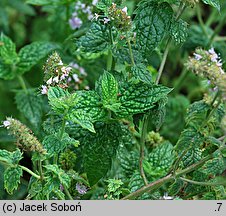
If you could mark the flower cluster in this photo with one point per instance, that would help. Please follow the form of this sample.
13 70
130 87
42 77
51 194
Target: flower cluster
82 189
153 139
56 74
119 17
81 12
77 79
67 159
208 64
24 136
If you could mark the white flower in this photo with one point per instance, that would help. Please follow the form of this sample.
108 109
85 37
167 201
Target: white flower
197 56
75 77
96 16
106 20
83 6
66 70
49 81
6 124
56 79
124 10
212 51
44 90
94 2
60 63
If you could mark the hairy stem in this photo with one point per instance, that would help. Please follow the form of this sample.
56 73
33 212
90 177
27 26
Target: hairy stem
22 83
163 61
211 113
130 50
40 170
142 146
201 183
30 172
62 128
165 54
156 184
109 60
110 57
67 192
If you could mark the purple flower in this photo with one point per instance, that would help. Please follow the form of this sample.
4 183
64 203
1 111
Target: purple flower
44 90
75 77
74 65
61 187
6 123
94 2
124 10
75 23
197 56
106 20
82 71
81 188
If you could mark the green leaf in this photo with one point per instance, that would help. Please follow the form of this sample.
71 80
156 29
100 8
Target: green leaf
128 161
214 3
192 156
190 138
51 188
159 160
54 145
83 120
136 182
215 166
8 53
6 71
30 105
99 150
61 100
96 39
174 122
152 21
89 109
109 89
12 178
158 114
35 188
141 73
179 31
61 175
136 98
43 2
103 4
10 157
175 188
31 54
8 58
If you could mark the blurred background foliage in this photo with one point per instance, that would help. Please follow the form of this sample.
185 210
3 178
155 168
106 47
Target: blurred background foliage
25 23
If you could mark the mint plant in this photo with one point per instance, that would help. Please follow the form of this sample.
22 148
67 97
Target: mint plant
129 134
